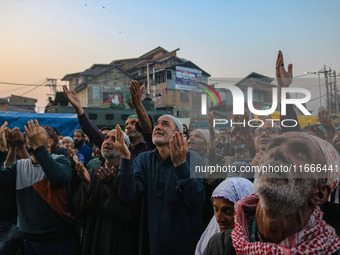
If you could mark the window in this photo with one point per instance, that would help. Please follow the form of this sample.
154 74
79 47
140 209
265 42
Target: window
109 116
168 75
124 116
93 116
184 97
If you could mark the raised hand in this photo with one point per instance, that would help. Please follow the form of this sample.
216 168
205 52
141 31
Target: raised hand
3 130
136 94
120 144
327 123
15 138
245 132
178 149
284 78
36 134
74 100
106 175
72 155
97 153
83 174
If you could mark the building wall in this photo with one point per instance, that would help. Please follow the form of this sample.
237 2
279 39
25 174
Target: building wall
114 81
3 105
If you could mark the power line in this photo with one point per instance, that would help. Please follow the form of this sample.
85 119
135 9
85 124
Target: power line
12 90
29 91
25 84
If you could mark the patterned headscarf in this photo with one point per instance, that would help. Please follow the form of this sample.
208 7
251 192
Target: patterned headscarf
332 160
316 237
232 189
52 134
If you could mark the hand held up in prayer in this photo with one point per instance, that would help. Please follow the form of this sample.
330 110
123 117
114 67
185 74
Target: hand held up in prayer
72 155
106 175
3 130
284 78
178 149
120 144
327 123
15 138
83 174
36 135
74 100
136 94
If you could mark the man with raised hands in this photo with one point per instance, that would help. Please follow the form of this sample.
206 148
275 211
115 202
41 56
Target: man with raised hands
41 190
140 140
171 209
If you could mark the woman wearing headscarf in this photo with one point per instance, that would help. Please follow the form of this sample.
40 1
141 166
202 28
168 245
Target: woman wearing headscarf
226 194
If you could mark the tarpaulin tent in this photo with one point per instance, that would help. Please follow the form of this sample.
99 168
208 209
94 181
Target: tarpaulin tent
65 123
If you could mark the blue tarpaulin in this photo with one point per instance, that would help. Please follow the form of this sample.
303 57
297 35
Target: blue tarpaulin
65 123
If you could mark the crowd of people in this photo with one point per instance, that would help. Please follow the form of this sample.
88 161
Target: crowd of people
135 192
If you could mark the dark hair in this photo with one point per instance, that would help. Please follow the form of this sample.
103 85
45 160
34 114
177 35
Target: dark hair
106 128
80 131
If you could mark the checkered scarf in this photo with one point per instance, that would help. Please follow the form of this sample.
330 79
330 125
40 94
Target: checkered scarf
316 237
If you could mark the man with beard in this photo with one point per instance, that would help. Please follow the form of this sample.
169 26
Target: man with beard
140 140
284 216
171 210
79 145
111 226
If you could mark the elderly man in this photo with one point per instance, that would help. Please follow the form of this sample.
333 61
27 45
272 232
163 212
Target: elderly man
111 226
171 213
284 216
41 190
139 141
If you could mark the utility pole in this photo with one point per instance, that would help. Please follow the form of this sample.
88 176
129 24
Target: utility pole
52 84
147 78
336 97
318 73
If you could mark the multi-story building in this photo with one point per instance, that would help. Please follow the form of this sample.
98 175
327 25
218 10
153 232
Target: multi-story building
168 79
101 84
17 104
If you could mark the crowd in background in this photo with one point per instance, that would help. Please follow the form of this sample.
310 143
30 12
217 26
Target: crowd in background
110 191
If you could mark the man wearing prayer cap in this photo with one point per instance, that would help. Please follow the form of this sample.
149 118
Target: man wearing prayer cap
284 216
111 225
171 209
137 126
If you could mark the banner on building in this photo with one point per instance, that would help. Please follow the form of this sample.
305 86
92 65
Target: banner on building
188 78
